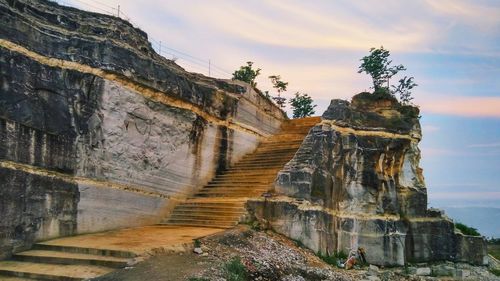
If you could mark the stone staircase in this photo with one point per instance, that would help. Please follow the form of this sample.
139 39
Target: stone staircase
221 203
61 263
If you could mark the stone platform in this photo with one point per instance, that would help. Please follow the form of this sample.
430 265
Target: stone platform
91 255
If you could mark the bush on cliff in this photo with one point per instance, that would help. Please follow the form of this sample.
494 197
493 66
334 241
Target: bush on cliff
247 74
467 230
378 66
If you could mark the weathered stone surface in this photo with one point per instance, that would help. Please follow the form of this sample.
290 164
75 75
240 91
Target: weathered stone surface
356 182
109 131
34 207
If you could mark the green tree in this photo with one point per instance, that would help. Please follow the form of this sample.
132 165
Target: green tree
280 86
302 105
378 66
404 89
247 74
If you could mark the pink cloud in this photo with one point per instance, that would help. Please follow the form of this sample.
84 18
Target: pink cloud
462 106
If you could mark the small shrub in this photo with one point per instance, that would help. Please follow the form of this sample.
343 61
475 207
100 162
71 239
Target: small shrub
197 243
495 271
467 230
198 279
333 259
299 243
235 270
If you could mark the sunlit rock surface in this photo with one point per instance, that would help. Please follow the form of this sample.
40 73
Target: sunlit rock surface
356 182
99 132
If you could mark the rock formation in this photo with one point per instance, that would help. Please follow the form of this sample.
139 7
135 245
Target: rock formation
356 182
98 132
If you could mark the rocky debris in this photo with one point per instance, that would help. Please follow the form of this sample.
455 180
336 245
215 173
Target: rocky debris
267 256
356 182
423 271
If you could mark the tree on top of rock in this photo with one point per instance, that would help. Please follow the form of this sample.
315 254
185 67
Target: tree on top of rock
247 74
280 86
378 66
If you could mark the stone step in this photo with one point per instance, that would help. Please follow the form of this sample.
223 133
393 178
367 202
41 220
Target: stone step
227 194
257 164
281 142
205 223
274 162
278 147
235 184
254 169
233 187
258 181
236 193
202 216
213 203
56 272
56 257
200 203
80 250
208 211
267 173
267 158
11 278
194 224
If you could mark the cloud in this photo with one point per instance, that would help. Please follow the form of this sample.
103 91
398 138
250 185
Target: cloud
465 195
461 106
472 12
430 128
485 145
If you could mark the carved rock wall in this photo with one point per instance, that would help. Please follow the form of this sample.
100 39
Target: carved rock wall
356 182
98 132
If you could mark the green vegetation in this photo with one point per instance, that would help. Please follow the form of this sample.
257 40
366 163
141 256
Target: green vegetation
280 86
247 74
235 270
334 259
198 279
197 243
302 105
467 230
494 247
378 66
495 271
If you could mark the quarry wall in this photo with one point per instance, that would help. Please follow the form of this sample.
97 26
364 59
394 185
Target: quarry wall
99 132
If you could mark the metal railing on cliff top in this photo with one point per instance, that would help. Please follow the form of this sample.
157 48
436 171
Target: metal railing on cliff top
205 66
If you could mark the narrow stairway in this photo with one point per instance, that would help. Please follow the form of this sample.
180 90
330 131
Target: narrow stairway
49 262
221 203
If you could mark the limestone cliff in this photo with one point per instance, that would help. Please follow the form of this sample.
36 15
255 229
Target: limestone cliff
97 131
356 182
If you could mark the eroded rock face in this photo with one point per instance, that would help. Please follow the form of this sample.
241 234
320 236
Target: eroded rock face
99 132
356 182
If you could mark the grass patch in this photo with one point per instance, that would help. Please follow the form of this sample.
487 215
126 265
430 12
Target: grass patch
197 243
333 259
494 250
467 230
495 271
234 270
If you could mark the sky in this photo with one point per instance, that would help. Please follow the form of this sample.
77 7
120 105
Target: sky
451 47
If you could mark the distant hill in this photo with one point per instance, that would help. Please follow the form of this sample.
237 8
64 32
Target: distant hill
485 219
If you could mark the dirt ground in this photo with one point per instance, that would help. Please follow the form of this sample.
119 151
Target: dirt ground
264 255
